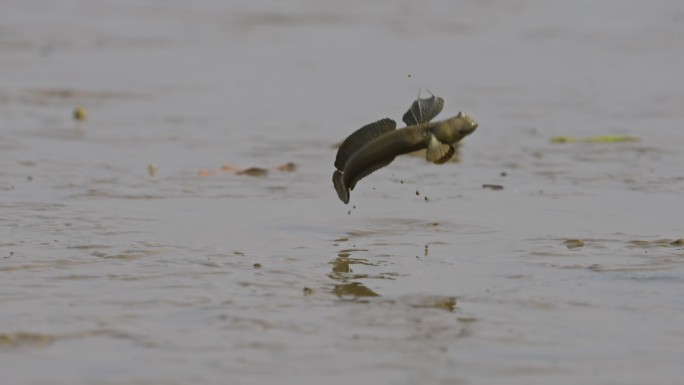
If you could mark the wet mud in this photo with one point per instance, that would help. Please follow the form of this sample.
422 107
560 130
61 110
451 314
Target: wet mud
551 251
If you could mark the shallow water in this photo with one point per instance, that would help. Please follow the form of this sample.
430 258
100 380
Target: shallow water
570 274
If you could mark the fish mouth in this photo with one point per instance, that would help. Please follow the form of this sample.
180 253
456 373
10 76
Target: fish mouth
470 129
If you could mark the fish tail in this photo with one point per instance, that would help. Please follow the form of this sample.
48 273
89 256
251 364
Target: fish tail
340 187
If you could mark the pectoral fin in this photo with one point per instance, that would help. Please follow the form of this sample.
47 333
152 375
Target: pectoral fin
360 138
423 110
438 152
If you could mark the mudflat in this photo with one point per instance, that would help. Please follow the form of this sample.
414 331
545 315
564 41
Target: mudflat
121 264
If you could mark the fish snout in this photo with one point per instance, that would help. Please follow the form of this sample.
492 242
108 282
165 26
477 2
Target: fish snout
469 124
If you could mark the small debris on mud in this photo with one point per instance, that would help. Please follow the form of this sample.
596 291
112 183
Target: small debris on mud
574 243
595 139
152 170
435 302
495 187
80 113
22 339
249 171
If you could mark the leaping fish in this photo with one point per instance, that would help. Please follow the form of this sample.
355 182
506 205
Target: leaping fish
375 145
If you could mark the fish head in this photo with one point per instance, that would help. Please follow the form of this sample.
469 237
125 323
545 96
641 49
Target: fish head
469 124
452 130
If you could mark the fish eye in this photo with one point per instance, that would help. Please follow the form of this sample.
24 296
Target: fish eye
461 114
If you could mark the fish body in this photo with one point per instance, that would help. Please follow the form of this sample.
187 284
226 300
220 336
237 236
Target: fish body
376 145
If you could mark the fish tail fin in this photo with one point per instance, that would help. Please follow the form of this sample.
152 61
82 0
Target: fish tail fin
340 187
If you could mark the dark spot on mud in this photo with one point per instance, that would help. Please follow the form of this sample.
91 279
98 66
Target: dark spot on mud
573 243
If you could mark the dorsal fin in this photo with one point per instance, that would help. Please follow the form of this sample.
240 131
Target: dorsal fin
423 110
360 138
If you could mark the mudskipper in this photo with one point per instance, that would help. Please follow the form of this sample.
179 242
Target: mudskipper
375 145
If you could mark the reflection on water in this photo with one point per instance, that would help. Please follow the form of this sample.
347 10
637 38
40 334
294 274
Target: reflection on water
342 272
353 290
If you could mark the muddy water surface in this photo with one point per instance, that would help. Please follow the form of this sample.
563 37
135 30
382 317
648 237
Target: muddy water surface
572 273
